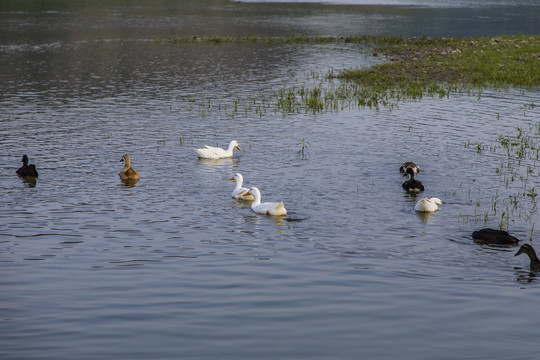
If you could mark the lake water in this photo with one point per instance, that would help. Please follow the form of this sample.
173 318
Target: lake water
173 268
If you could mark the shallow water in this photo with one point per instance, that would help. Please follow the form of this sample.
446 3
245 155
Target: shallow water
174 268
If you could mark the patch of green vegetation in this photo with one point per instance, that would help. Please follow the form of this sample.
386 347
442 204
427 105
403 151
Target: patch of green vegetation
517 155
438 66
410 69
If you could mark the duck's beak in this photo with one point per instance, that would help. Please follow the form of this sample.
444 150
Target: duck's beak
231 178
246 193
520 251
238 147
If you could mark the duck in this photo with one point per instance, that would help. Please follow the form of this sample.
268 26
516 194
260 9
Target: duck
239 191
127 172
492 236
210 152
412 185
409 165
268 208
529 250
428 205
27 170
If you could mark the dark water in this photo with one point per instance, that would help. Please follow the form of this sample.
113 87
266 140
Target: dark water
175 268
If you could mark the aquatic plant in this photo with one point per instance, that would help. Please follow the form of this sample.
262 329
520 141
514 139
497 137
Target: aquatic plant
303 147
410 69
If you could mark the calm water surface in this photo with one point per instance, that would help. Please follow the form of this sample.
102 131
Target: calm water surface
174 268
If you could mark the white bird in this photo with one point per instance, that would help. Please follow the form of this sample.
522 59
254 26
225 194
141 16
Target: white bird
428 205
268 208
210 152
239 191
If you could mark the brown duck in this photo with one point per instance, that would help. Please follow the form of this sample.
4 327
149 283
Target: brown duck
127 172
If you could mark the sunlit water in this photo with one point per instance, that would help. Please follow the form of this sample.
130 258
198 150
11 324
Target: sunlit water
175 268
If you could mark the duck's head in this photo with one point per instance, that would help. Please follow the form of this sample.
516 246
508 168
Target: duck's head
237 177
125 158
234 143
25 160
526 249
410 172
253 191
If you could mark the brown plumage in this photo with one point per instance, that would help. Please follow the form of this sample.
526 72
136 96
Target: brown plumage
127 172
409 164
529 250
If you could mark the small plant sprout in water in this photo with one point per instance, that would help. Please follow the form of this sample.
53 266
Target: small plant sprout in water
303 147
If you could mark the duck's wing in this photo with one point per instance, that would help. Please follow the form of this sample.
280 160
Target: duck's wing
32 170
279 209
239 194
210 151
276 208
215 150
129 173
29 170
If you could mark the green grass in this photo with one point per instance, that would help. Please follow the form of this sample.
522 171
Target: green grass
410 68
439 66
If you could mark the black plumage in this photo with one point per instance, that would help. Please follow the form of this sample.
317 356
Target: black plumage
492 236
412 185
27 170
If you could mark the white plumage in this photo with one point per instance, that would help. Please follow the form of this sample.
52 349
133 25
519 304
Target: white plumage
210 152
428 205
239 192
268 208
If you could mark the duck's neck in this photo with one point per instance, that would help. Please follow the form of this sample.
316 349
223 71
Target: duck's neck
256 198
238 183
231 147
532 256
127 163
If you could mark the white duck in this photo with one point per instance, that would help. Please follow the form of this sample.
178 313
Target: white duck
428 205
239 191
210 152
268 208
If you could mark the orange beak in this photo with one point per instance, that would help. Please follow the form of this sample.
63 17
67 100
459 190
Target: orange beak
246 193
231 178
238 147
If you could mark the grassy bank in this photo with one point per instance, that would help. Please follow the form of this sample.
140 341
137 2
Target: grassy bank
410 68
438 66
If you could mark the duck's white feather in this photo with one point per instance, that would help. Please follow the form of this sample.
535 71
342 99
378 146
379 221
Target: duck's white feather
428 205
211 152
268 208
239 191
